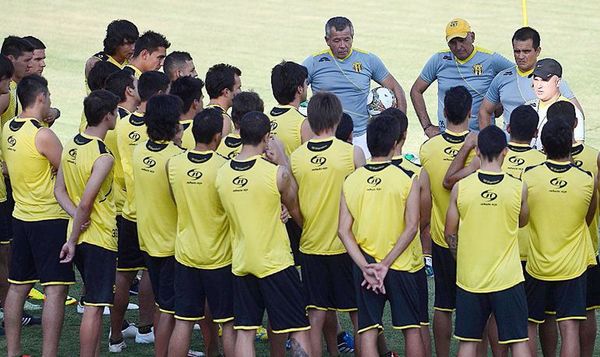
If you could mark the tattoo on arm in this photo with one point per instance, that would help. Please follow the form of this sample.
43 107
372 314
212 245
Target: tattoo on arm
297 350
452 240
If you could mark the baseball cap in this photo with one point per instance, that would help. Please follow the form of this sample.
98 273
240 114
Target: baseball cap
546 68
457 28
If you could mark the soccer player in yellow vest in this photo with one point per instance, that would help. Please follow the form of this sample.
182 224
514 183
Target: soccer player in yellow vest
223 82
587 158
252 190
379 219
244 102
156 212
32 156
179 64
559 254
84 189
149 53
203 243
189 90
436 156
320 166
118 45
489 274
20 53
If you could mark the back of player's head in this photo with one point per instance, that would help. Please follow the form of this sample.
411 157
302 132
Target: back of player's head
150 41
6 68
220 77
118 82
557 139
490 142
162 117
15 46
286 77
99 73
457 104
97 104
324 111
151 83
188 89
119 32
563 110
382 133
523 123
207 124
35 42
345 128
339 23
527 33
175 61
29 88
253 128
245 102
400 117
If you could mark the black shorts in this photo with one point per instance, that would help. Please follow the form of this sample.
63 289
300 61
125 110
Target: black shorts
567 296
130 256
162 278
444 275
97 267
509 307
294 232
194 286
423 291
6 233
280 293
327 282
35 251
593 287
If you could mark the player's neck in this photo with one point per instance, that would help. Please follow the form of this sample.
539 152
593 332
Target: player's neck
16 79
383 158
205 147
221 102
491 166
458 128
295 103
32 112
142 107
522 142
551 100
327 133
128 105
561 160
249 150
398 149
97 131
119 59
137 63
187 116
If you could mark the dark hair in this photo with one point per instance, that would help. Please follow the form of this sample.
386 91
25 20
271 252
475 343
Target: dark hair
491 141
339 23
400 117
245 102
6 68
188 89
345 127
118 82
97 104
523 123
382 133
557 139
162 117
117 32
175 60
286 77
324 111
152 82
527 33
563 110
35 42
29 88
457 104
99 73
220 77
15 46
207 123
150 41
253 128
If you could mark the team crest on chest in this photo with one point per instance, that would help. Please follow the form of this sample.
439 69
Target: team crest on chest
357 66
478 69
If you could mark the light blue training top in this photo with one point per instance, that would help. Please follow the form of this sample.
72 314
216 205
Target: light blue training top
349 79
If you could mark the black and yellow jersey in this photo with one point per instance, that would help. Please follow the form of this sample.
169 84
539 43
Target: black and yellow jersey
136 72
187 138
519 157
77 162
230 146
586 158
401 161
13 108
131 130
286 125
250 196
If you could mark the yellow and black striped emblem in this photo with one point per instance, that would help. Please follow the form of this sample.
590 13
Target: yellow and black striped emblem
357 66
478 69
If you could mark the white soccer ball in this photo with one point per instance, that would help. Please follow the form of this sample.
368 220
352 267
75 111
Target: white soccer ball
380 99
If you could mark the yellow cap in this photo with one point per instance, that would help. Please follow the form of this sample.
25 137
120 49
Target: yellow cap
457 28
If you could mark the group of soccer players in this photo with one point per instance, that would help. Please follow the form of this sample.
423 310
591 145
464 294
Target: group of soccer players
229 215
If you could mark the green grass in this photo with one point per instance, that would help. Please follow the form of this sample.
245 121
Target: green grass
256 35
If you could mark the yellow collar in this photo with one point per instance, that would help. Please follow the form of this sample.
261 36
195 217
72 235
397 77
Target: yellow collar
468 58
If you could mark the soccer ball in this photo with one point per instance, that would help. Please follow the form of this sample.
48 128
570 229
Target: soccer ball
380 99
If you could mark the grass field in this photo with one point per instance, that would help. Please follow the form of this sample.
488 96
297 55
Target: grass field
256 35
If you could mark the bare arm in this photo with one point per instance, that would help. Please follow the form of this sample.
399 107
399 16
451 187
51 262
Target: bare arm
452 218
485 113
305 132
418 101
227 129
61 194
392 84
289 193
425 215
359 158
524 213
457 170
47 143
4 102
89 64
